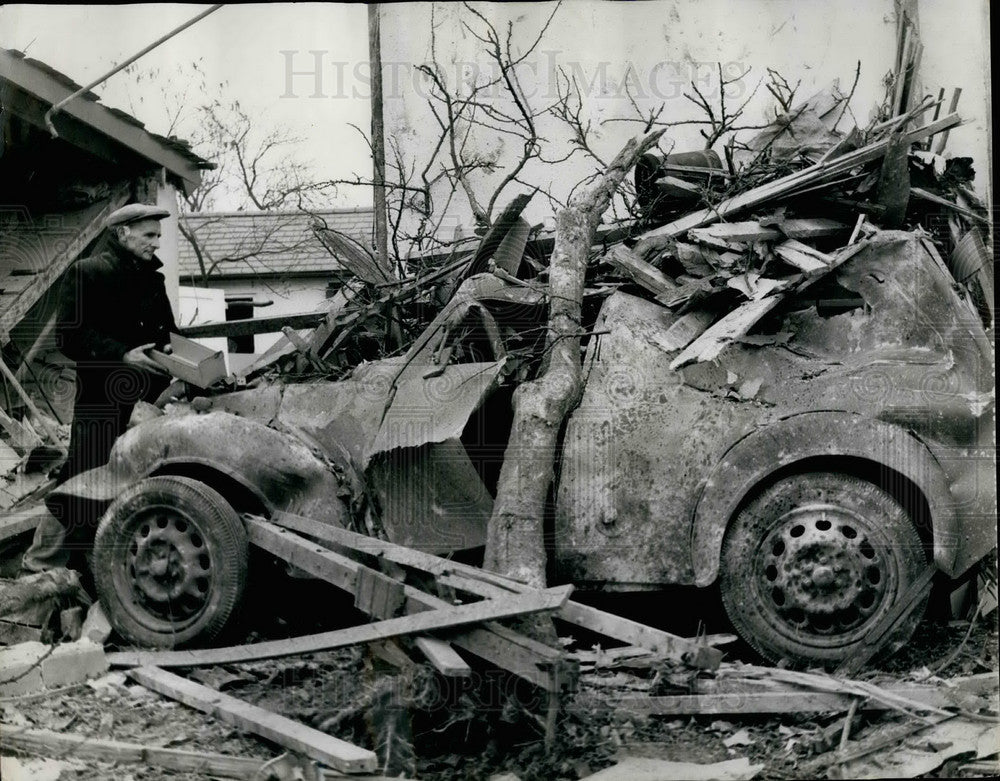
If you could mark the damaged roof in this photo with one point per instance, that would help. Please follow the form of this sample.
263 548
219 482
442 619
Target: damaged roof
244 244
29 87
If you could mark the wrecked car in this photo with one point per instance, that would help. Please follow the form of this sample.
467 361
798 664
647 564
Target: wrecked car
815 469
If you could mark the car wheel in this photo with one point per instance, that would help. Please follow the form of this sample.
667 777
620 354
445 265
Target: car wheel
170 562
813 562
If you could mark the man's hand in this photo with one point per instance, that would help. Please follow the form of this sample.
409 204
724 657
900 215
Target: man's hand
137 357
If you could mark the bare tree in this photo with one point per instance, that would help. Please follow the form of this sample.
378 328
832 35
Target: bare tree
515 543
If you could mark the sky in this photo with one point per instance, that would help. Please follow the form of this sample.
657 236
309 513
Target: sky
240 45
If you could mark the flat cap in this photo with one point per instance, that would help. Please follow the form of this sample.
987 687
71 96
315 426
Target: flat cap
135 212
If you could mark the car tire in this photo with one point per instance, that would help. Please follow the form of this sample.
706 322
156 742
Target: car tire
813 562
170 562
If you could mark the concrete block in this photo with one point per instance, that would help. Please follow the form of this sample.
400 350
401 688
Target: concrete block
71 623
73 663
20 672
96 626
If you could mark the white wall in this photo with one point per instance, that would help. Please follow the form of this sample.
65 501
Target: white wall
166 198
199 305
956 38
288 297
668 43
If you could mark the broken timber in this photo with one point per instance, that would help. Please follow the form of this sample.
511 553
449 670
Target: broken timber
443 618
756 696
639 271
250 326
490 585
69 746
527 658
317 745
786 185
753 231
738 323
426 613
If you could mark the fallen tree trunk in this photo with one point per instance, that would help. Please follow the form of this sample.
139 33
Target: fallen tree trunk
515 542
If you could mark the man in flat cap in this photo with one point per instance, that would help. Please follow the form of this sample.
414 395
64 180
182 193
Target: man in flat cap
113 307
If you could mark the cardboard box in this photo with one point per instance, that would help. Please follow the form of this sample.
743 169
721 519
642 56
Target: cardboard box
192 362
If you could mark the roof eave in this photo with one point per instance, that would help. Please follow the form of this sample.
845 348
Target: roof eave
49 90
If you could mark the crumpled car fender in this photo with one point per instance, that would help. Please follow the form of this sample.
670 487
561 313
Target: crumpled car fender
817 435
282 471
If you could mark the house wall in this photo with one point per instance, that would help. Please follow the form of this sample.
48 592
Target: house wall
658 48
166 198
956 38
292 296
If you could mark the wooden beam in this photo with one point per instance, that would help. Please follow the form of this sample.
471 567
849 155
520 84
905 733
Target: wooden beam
68 746
639 271
46 277
491 585
783 186
634 633
526 658
752 231
21 521
759 696
797 701
317 745
416 623
253 325
443 657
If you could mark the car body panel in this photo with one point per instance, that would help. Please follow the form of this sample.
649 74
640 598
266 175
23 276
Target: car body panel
655 462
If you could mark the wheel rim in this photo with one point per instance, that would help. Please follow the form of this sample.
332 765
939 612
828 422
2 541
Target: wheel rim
824 572
165 570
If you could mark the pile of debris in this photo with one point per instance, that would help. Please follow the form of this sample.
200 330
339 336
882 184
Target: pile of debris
462 601
721 249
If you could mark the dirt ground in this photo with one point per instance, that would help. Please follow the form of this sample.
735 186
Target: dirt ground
456 731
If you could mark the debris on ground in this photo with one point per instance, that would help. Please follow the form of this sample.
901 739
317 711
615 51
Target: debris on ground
444 649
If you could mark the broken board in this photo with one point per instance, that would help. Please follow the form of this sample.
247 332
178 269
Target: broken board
317 745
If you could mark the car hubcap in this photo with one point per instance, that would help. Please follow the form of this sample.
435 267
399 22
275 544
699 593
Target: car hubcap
821 571
169 565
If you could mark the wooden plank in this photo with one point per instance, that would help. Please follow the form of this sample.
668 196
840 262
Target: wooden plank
714 340
378 595
69 746
15 283
443 657
737 323
785 185
489 584
253 325
506 649
429 620
12 313
639 271
792 701
15 523
811 227
799 255
317 745
752 231
634 633
496 644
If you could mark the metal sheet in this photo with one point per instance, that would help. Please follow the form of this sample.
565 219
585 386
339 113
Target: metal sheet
434 408
431 497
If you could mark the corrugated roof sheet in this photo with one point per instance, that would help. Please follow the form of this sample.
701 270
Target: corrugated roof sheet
243 244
